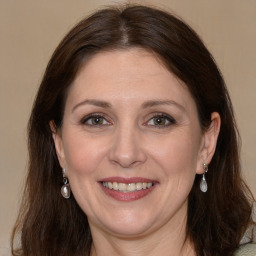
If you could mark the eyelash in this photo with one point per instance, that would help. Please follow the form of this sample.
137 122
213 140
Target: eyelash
91 116
166 117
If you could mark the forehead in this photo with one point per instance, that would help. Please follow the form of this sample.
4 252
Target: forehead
130 74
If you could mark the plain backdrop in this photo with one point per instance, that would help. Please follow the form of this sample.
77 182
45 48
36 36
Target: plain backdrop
31 29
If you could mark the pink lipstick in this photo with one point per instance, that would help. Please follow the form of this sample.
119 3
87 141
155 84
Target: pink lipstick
127 189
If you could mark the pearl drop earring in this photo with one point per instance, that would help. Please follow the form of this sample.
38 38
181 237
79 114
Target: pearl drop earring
203 183
65 189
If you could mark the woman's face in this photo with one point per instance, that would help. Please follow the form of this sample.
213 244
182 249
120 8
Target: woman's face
131 143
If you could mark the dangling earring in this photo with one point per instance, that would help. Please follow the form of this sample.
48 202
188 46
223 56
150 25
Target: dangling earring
203 183
65 189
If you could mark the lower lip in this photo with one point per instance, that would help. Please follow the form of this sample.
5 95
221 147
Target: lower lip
127 196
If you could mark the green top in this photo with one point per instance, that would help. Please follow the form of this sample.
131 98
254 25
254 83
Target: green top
246 250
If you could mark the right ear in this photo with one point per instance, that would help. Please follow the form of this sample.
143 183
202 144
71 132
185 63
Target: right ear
56 135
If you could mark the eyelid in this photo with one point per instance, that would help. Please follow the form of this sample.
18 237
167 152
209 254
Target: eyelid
170 119
89 116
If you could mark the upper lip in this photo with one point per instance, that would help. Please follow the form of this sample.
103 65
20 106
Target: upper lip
128 180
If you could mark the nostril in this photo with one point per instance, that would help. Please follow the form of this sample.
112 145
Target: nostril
126 149
125 163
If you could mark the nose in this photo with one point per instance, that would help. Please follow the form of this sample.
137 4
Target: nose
126 150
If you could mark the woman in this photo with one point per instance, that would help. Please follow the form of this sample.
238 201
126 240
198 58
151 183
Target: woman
133 145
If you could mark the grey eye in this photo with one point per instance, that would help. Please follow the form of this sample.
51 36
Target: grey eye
94 120
161 120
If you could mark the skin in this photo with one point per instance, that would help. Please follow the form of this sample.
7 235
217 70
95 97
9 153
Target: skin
128 142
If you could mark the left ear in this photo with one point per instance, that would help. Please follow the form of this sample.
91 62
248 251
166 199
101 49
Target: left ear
209 142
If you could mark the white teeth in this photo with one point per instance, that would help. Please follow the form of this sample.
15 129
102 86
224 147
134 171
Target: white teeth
122 186
110 185
115 186
130 187
139 186
149 185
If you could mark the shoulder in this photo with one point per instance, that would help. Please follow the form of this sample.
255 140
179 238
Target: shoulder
246 250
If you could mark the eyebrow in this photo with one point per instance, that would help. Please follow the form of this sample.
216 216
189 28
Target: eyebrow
147 104
98 103
153 103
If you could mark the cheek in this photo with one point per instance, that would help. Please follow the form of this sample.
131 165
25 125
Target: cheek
177 153
83 154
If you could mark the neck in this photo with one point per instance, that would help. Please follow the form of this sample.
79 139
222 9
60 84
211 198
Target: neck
140 247
168 240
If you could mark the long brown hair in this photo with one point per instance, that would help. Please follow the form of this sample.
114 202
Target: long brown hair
50 225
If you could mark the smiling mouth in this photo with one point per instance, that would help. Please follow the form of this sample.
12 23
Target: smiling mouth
130 187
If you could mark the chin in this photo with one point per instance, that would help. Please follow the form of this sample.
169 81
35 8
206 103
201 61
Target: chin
128 229
124 224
